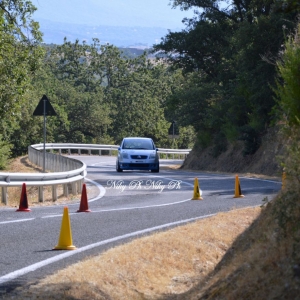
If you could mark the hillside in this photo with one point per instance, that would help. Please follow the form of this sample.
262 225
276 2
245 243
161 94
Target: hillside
263 262
243 254
264 161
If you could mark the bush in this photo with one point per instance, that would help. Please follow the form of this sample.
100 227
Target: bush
251 138
5 152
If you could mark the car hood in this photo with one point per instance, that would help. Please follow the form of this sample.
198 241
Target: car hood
138 151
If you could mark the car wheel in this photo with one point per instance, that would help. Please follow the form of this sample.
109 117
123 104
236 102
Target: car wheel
118 168
155 170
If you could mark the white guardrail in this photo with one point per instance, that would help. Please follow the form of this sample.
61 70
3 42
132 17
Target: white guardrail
65 171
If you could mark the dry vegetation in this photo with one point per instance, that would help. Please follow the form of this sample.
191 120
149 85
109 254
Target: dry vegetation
23 165
251 253
155 266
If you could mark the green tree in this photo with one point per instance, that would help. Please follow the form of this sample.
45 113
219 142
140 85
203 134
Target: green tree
4 153
226 47
20 58
82 116
137 91
288 84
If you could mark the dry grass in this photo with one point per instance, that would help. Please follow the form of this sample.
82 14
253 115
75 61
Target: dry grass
242 254
263 262
165 263
23 165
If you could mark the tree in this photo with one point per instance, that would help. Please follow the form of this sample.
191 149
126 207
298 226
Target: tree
288 83
225 46
82 116
136 92
20 58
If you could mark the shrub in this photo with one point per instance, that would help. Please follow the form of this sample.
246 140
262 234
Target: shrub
5 151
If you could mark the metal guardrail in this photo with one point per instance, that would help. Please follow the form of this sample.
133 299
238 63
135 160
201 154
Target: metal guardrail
100 148
64 170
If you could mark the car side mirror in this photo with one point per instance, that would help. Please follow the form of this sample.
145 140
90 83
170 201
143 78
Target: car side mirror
119 148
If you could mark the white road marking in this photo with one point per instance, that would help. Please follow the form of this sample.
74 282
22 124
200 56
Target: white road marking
266 180
102 190
15 221
43 263
142 207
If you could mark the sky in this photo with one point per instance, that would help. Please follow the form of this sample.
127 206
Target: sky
129 13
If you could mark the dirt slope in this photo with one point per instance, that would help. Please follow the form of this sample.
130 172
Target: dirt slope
265 161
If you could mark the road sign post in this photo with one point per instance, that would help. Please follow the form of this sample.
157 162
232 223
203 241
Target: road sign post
173 132
44 108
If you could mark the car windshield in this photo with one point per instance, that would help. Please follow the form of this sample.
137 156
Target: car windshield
138 144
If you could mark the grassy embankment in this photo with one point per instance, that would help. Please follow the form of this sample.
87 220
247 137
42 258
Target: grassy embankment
243 254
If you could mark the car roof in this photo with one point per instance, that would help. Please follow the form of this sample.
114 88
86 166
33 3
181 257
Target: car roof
139 138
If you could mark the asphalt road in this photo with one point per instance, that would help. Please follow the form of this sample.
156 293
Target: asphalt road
123 206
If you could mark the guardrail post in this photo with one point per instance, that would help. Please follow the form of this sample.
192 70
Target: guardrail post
4 195
79 151
110 151
99 151
89 151
79 186
69 151
59 151
54 192
66 190
74 188
41 193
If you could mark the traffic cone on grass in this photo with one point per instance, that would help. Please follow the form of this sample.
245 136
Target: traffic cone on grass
197 193
84 202
65 238
23 200
237 190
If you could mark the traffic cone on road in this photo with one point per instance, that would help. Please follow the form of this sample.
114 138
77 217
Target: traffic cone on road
237 190
65 238
84 207
197 193
23 200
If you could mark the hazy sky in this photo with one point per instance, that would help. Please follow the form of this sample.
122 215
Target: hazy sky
144 13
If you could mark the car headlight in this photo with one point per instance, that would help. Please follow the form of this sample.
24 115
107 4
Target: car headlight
153 155
125 155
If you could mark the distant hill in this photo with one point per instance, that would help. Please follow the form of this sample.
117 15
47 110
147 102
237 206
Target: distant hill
138 37
130 52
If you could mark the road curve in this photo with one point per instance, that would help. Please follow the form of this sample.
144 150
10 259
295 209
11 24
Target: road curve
123 206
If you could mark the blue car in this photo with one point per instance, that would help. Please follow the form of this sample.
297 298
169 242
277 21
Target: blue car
136 153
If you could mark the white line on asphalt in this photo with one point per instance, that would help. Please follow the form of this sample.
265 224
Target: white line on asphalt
123 208
43 263
142 207
15 221
102 190
259 179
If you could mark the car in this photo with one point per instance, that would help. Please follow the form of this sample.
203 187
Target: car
137 153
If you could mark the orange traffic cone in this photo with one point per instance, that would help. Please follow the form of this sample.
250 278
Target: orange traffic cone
237 190
23 200
83 202
65 238
197 193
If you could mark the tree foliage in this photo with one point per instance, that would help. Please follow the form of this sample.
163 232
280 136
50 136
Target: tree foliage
216 80
20 58
288 84
103 96
227 48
